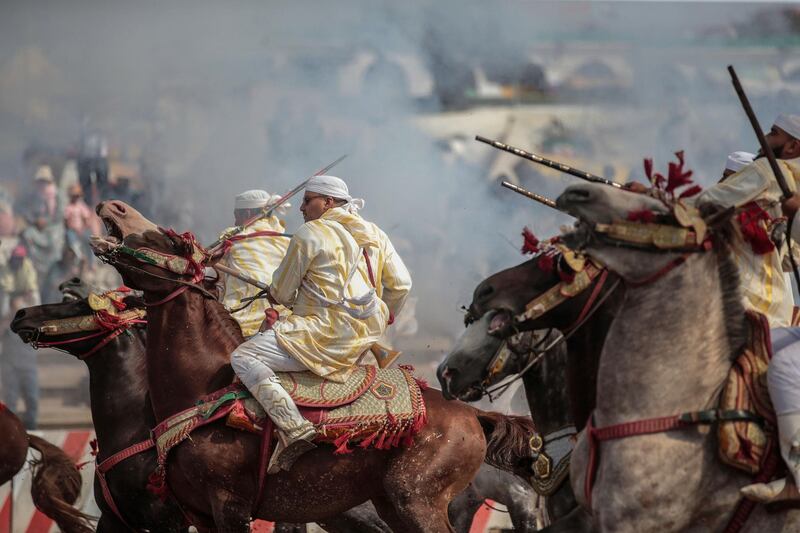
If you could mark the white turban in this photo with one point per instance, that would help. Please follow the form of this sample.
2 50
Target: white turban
335 188
738 160
252 199
790 124
256 199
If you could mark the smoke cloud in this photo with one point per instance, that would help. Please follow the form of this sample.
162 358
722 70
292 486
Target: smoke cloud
217 97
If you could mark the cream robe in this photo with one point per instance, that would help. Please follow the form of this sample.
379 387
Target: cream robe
327 339
764 287
392 278
257 257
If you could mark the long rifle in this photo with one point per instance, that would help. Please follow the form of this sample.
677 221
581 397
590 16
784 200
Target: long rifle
268 209
766 149
529 194
582 174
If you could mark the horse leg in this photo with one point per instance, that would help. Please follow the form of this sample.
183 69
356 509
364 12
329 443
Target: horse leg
414 516
109 523
231 513
462 509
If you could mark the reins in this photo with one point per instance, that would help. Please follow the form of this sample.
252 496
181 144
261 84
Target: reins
593 303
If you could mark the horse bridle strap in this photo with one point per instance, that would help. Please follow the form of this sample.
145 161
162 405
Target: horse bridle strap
650 426
107 464
652 236
65 326
559 293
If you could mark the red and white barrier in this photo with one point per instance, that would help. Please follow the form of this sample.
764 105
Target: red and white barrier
27 519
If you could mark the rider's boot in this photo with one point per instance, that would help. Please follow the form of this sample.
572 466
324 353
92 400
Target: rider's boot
782 492
295 433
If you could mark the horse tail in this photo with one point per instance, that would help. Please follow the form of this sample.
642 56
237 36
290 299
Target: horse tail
56 485
507 441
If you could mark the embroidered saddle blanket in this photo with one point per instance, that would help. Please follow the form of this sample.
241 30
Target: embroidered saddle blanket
378 408
744 444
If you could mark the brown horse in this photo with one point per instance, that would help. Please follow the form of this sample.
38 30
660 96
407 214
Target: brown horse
56 481
215 474
121 414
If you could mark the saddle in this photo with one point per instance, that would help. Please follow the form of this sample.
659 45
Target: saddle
746 444
374 408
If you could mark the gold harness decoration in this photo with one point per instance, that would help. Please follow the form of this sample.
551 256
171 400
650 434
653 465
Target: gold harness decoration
107 302
661 236
560 292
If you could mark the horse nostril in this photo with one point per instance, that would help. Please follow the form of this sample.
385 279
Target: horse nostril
20 315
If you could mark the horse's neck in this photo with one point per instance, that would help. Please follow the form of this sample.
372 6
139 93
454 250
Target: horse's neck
188 353
584 347
668 350
118 388
545 387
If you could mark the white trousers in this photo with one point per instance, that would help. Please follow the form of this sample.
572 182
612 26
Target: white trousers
258 358
783 375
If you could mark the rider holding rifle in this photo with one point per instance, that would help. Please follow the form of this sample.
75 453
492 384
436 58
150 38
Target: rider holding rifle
343 281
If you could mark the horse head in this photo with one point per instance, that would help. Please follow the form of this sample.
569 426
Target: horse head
148 258
79 325
640 236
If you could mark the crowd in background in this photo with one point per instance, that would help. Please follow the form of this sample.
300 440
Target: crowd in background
45 225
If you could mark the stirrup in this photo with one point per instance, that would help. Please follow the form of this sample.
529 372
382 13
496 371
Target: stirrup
288 451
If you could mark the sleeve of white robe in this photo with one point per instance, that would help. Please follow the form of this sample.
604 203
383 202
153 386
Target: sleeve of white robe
396 279
739 189
288 277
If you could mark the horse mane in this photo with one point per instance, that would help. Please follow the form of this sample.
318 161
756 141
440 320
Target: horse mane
730 281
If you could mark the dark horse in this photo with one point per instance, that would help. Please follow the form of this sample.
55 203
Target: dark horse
121 413
557 379
56 482
214 475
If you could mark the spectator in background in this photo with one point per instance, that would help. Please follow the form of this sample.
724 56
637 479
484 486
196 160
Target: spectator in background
71 265
18 373
44 202
44 235
80 222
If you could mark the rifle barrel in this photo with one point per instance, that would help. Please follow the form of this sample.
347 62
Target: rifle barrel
582 174
529 194
765 147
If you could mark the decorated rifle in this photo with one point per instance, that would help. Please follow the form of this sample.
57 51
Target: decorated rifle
582 174
269 209
529 194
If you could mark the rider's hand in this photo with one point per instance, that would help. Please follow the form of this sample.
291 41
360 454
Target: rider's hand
635 186
791 205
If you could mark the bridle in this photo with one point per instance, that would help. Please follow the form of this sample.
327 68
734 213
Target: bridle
564 290
192 264
652 237
107 320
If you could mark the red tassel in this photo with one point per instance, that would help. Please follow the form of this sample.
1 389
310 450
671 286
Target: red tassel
379 444
546 263
369 440
530 244
390 416
95 448
642 215
754 232
422 383
341 444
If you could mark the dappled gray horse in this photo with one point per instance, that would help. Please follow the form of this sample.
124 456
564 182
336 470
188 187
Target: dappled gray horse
667 352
